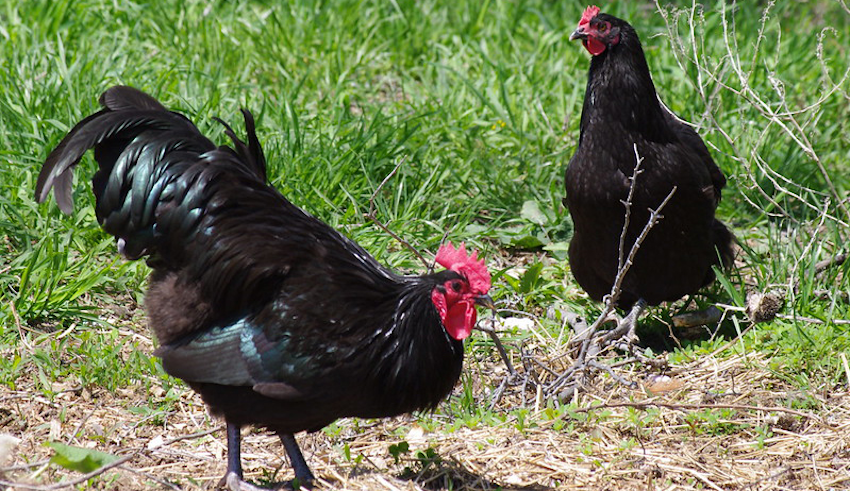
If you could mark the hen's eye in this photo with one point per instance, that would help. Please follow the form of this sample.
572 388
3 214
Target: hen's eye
456 286
603 27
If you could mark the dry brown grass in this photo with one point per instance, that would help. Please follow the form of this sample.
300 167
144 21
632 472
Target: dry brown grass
618 438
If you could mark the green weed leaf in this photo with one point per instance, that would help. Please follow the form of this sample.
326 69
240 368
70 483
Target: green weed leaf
531 278
397 450
79 459
531 212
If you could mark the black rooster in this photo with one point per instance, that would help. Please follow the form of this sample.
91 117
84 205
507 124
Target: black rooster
272 316
621 109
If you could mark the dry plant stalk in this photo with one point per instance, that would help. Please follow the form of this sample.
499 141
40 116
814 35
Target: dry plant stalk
796 123
790 121
590 340
734 73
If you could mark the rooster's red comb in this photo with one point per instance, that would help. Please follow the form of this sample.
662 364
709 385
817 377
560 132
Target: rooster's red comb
589 13
468 266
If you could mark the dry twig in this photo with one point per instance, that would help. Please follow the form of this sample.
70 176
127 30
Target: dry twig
589 340
684 407
119 463
374 219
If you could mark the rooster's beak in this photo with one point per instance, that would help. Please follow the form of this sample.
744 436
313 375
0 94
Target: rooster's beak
485 301
578 34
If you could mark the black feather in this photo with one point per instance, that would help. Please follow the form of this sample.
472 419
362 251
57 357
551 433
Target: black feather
274 317
124 98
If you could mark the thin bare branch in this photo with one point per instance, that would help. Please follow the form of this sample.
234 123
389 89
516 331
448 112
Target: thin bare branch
374 219
589 341
112 465
491 331
686 407
628 204
654 217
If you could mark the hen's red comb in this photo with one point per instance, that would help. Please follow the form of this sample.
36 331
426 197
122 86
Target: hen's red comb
589 13
470 267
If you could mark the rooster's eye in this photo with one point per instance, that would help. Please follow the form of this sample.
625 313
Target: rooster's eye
456 286
602 27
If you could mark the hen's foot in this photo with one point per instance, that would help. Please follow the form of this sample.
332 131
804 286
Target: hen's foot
624 334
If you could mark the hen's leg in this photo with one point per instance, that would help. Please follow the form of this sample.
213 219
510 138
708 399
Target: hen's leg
299 465
626 327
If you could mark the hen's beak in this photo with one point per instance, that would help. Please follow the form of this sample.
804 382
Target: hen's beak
485 301
578 34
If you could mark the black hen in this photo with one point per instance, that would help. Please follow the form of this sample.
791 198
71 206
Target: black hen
621 109
273 317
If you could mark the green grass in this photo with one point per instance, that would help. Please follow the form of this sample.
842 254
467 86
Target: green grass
482 99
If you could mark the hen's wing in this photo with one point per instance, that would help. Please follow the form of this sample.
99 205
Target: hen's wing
689 137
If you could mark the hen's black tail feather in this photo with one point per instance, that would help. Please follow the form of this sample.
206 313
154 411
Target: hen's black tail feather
724 241
153 168
124 98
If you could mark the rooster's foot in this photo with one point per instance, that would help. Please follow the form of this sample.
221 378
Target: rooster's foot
235 483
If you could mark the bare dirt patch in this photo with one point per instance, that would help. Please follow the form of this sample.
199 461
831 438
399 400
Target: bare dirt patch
721 422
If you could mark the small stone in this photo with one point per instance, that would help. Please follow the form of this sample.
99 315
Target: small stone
7 445
155 442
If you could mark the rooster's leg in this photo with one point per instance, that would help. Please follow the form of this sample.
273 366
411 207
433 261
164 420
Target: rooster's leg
299 465
234 450
233 478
